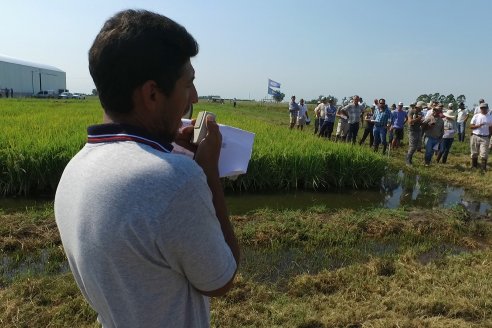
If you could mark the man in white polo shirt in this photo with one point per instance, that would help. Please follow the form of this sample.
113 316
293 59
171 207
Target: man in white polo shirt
481 125
145 230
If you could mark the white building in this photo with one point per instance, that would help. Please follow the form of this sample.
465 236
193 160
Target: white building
28 78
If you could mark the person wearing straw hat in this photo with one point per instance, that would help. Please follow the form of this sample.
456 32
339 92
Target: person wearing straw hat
448 136
481 125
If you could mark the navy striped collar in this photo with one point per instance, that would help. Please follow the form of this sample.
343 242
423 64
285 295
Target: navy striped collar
113 132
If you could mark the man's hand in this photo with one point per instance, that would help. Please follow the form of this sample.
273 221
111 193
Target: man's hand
208 151
184 136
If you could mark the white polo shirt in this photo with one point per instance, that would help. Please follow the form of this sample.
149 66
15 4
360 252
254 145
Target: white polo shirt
478 119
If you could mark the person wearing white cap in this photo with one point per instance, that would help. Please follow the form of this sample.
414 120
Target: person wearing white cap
448 136
481 125
477 109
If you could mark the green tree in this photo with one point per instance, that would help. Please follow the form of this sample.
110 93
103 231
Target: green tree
346 100
425 98
278 96
94 92
449 99
461 98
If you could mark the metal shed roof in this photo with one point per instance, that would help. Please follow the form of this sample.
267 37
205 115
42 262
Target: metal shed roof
27 63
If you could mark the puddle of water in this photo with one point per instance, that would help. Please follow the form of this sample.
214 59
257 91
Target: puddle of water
33 264
397 189
16 204
440 252
272 266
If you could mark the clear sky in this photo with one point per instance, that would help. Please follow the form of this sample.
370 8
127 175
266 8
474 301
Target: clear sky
379 48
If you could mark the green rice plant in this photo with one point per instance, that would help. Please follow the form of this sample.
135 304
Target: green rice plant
39 137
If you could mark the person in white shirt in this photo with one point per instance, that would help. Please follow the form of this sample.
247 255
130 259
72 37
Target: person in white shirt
302 115
481 125
293 111
461 121
477 109
319 114
448 136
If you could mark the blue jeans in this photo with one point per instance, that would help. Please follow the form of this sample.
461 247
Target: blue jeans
353 130
429 148
461 130
379 135
326 129
445 147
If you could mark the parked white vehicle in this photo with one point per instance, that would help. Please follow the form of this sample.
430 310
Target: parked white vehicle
65 95
46 94
78 96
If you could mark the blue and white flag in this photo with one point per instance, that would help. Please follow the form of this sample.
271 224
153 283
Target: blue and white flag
271 91
273 84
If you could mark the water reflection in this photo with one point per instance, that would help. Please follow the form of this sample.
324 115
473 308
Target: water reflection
397 189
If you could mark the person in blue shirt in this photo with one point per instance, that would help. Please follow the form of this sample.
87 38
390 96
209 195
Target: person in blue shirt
381 121
398 120
329 122
293 111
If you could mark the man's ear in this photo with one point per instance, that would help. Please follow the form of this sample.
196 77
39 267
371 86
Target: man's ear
149 94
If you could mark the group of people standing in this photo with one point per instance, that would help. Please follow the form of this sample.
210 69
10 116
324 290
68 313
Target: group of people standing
7 92
298 113
429 125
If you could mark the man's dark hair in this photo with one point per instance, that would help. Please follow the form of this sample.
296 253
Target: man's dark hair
135 46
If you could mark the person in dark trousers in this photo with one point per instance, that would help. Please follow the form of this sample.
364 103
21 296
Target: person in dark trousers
11 93
415 118
381 121
433 126
448 136
293 111
368 116
354 111
329 121
319 114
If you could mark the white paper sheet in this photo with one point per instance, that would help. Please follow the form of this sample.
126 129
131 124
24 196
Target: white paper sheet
237 147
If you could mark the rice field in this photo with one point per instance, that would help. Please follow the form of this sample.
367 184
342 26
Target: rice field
315 267
40 136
